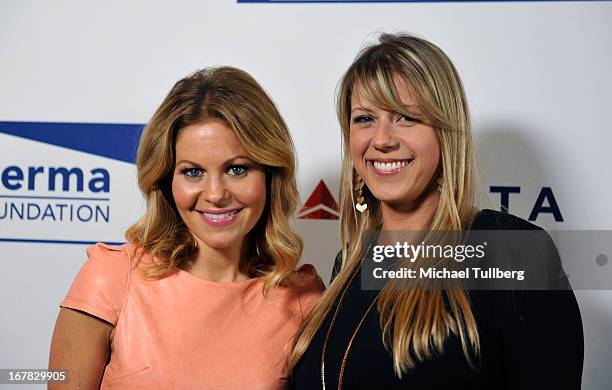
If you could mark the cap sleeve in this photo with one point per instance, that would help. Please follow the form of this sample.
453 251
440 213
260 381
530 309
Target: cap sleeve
101 284
310 287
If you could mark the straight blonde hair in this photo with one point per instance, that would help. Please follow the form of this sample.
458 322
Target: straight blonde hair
235 98
415 322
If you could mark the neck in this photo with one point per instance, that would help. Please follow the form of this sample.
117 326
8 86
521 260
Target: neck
217 265
416 215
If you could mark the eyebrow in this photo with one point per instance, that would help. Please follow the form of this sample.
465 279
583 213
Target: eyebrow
415 107
227 162
361 109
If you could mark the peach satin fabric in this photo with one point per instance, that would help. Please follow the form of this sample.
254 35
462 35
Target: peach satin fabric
184 332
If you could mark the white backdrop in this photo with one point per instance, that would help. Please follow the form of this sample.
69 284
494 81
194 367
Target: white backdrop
536 75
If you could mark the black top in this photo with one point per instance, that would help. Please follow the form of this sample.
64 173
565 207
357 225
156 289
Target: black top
528 340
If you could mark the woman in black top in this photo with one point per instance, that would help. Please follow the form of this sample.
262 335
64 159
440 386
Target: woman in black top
409 165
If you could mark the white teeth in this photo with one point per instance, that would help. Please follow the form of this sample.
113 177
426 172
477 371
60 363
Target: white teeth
389 167
217 217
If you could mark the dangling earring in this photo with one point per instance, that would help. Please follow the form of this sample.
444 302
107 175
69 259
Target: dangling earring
360 205
440 182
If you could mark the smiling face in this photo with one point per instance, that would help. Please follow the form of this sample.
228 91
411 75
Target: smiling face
396 155
220 193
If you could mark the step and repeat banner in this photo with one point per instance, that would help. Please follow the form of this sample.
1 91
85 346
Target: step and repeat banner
80 80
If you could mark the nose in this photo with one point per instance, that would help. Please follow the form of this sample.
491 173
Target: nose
216 192
384 140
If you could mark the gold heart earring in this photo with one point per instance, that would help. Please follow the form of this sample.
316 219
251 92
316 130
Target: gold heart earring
360 205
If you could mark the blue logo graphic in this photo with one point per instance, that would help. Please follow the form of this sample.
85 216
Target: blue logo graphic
116 141
36 190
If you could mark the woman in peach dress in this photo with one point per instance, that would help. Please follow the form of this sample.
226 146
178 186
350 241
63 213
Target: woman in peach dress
205 294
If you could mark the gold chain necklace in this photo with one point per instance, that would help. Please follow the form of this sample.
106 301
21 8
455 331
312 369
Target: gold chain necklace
350 343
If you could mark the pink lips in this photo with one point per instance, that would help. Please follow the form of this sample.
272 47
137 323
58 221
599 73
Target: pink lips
220 218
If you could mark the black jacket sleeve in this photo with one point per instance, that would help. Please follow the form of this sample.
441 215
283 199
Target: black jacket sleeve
541 330
542 336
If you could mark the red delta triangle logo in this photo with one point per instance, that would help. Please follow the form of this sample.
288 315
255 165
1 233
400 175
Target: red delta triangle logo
320 204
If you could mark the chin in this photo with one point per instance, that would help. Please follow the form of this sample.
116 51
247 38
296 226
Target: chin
393 197
216 244
220 241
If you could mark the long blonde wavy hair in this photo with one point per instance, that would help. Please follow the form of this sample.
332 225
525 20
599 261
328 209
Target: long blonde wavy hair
415 322
234 97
